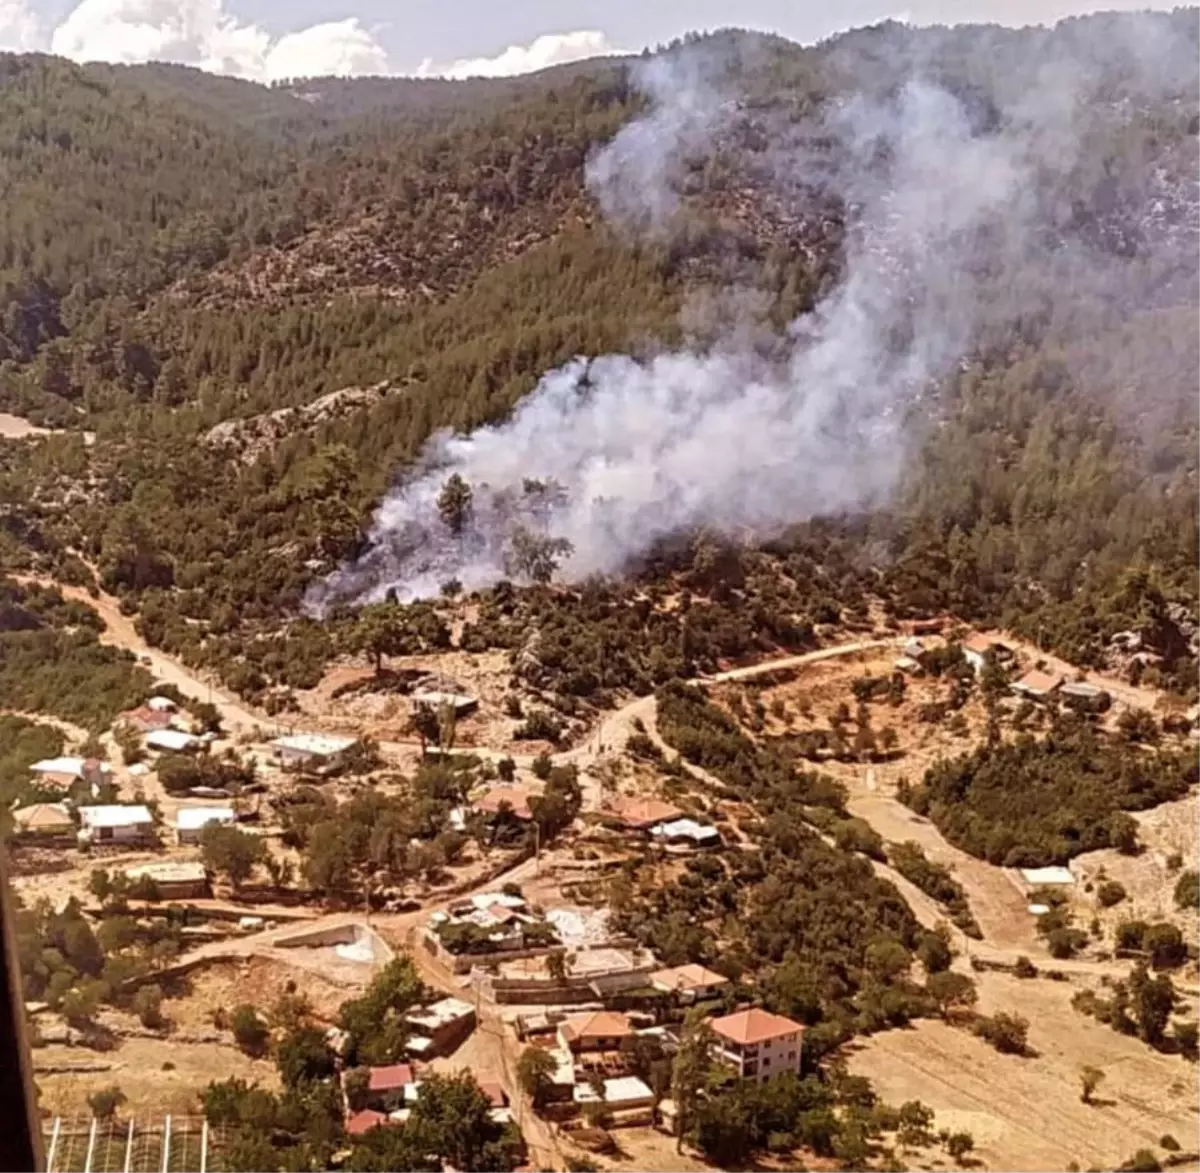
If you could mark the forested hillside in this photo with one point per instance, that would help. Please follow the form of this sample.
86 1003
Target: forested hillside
180 254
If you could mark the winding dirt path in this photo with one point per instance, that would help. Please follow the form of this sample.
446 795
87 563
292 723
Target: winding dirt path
120 632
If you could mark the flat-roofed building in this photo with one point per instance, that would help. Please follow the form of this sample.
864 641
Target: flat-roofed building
117 823
190 821
312 750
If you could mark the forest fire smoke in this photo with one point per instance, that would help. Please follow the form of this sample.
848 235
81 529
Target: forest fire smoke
721 439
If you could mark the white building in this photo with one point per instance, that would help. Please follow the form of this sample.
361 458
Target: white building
314 750
67 770
116 824
162 704
687 832
460 703
757 1044
191 820
174 741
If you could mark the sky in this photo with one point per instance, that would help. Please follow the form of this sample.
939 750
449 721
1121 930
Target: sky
275 40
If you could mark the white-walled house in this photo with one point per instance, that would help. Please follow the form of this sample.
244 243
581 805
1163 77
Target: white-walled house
116 823
757 1044
314 750
191 820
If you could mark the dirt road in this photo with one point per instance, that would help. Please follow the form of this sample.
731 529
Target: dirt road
120 632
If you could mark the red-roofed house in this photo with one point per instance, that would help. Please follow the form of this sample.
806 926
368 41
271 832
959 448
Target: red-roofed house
975 647
145 719
362 1122
515 798
495 1093
601 1030
757 1044
385 1088
689 981
640 814
1037 685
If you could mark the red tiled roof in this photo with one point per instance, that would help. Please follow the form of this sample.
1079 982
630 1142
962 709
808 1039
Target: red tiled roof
145 716
602 1024
515 796
977 643
643 812
364 1121
387 1079
495 1093
688 977
1036 681
754 1026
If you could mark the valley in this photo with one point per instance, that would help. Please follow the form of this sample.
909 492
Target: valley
638 616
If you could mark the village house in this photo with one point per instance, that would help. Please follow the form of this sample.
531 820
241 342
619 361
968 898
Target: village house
63 773
1090 698
514 798
174 741
686 833
174 880
43 821
600 1030
146 719
441 1027
621 1093
640 814
116 824
190 821
459 703
758 1044
690 982
976 647
360 1123
312 751
1036 685
162 704
386 1086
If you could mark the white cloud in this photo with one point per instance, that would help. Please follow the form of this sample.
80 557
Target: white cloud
204 34
20 31
338 48
546 50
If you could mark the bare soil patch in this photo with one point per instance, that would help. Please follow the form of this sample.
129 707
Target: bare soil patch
137 1069
1025 1113
1166 830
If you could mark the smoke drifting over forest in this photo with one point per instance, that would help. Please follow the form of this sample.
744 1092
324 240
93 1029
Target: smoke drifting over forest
938 198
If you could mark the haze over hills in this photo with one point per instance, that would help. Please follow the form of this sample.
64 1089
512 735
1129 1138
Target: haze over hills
712 535
182 251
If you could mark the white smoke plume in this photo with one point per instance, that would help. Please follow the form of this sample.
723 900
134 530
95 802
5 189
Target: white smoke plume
722 439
